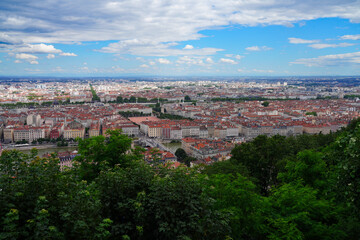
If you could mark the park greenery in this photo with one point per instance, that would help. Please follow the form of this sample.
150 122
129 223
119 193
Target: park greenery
311 113
172 116
265 103
304 187
351 96
240 99
128 114
133 99
95 97
183 157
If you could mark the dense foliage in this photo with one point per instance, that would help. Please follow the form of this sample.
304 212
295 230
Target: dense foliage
133 114
95 97
172 116
304 187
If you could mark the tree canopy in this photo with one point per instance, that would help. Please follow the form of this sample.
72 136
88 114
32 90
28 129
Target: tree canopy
304 187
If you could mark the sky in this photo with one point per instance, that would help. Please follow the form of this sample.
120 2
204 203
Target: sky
83 38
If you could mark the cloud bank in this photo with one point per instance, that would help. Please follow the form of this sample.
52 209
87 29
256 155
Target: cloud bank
158 25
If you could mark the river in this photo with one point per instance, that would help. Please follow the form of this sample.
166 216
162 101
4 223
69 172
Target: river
172 146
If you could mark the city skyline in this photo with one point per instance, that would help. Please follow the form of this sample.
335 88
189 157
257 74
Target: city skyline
206 38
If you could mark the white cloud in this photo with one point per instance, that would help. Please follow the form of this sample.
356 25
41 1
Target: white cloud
25 56
117 69
163 61
50 56
241 70
227 60
32 70
33 62
152 63
229 55
262 71
144 66
351 37
158 25
331 60
36 48
301 41
257 48
209 60
6 39
0 61
154 48
68 54
164 21
325 45
17 61
58 69
238 57
254 48
190 60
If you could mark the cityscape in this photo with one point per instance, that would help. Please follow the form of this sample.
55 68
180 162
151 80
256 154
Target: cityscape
205 118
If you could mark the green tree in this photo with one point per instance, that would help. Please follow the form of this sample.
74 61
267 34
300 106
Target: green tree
180 154
132 99
262 157
265 104
344 157
308 167
296 212
236 197
40 225
177 208
95 97
226 167
10 228
157 108
119 99
188 160
121 192
100 153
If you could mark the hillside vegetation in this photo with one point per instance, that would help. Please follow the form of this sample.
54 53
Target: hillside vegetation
304 187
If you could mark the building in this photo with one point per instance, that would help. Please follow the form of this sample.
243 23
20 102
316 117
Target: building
74 130
28 133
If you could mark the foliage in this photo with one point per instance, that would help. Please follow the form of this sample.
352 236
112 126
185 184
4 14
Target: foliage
352 96
236 197
157 108
303 187
172 116
180 154
226 167
265 157
265 103
311 113
344 154
254 98
297 213
95 97
183 157
134 99
100 153
133 114
177 208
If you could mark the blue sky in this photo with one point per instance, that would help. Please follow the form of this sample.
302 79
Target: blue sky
180 38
